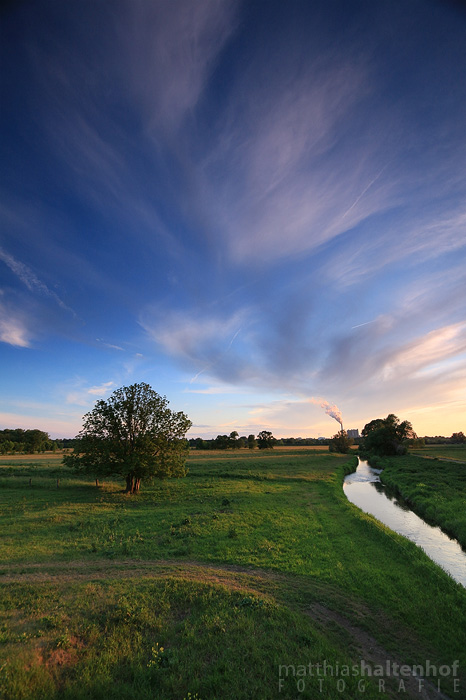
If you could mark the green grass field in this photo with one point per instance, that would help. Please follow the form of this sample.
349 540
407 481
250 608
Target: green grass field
456 452
203 587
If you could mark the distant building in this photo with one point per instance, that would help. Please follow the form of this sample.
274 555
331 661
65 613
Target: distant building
353 433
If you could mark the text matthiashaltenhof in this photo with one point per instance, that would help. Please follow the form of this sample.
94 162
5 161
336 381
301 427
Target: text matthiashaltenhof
337 676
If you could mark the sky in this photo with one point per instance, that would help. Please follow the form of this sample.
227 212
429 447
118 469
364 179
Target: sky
255 207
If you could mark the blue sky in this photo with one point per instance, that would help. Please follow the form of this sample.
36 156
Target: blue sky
255 207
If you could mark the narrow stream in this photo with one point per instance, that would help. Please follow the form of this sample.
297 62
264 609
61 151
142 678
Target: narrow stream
364 488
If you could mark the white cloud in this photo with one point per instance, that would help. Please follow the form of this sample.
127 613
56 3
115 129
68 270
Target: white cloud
13 330
13 333
102 389
83 395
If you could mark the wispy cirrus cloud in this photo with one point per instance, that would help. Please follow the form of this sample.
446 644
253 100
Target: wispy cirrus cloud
154 58
390 360
433 350
418 237
113 115
30 279
168 53
111 346
206 341
304 155
285 188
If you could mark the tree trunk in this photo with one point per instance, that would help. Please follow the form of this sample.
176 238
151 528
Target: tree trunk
132 484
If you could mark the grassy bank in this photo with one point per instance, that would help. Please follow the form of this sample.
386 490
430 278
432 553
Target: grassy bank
436 490
252 562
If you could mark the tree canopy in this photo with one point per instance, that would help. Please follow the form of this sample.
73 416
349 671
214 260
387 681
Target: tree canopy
387 436
265 440
132 434
340 442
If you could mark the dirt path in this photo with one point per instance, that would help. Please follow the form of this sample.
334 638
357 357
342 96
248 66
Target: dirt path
124 568
231 576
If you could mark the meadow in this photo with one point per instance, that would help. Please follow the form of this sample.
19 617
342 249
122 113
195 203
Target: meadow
447 451
213 586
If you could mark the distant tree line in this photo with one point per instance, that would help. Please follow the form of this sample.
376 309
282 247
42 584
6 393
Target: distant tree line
264 440
234 441
455 439
27 442
19 441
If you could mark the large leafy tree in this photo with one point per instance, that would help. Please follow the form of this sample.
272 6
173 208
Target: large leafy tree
341 442
265 440
132 434
387 436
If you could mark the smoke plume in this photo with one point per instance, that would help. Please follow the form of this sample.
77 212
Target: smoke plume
330 410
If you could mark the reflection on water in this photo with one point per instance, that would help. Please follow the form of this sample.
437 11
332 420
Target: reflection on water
365 490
